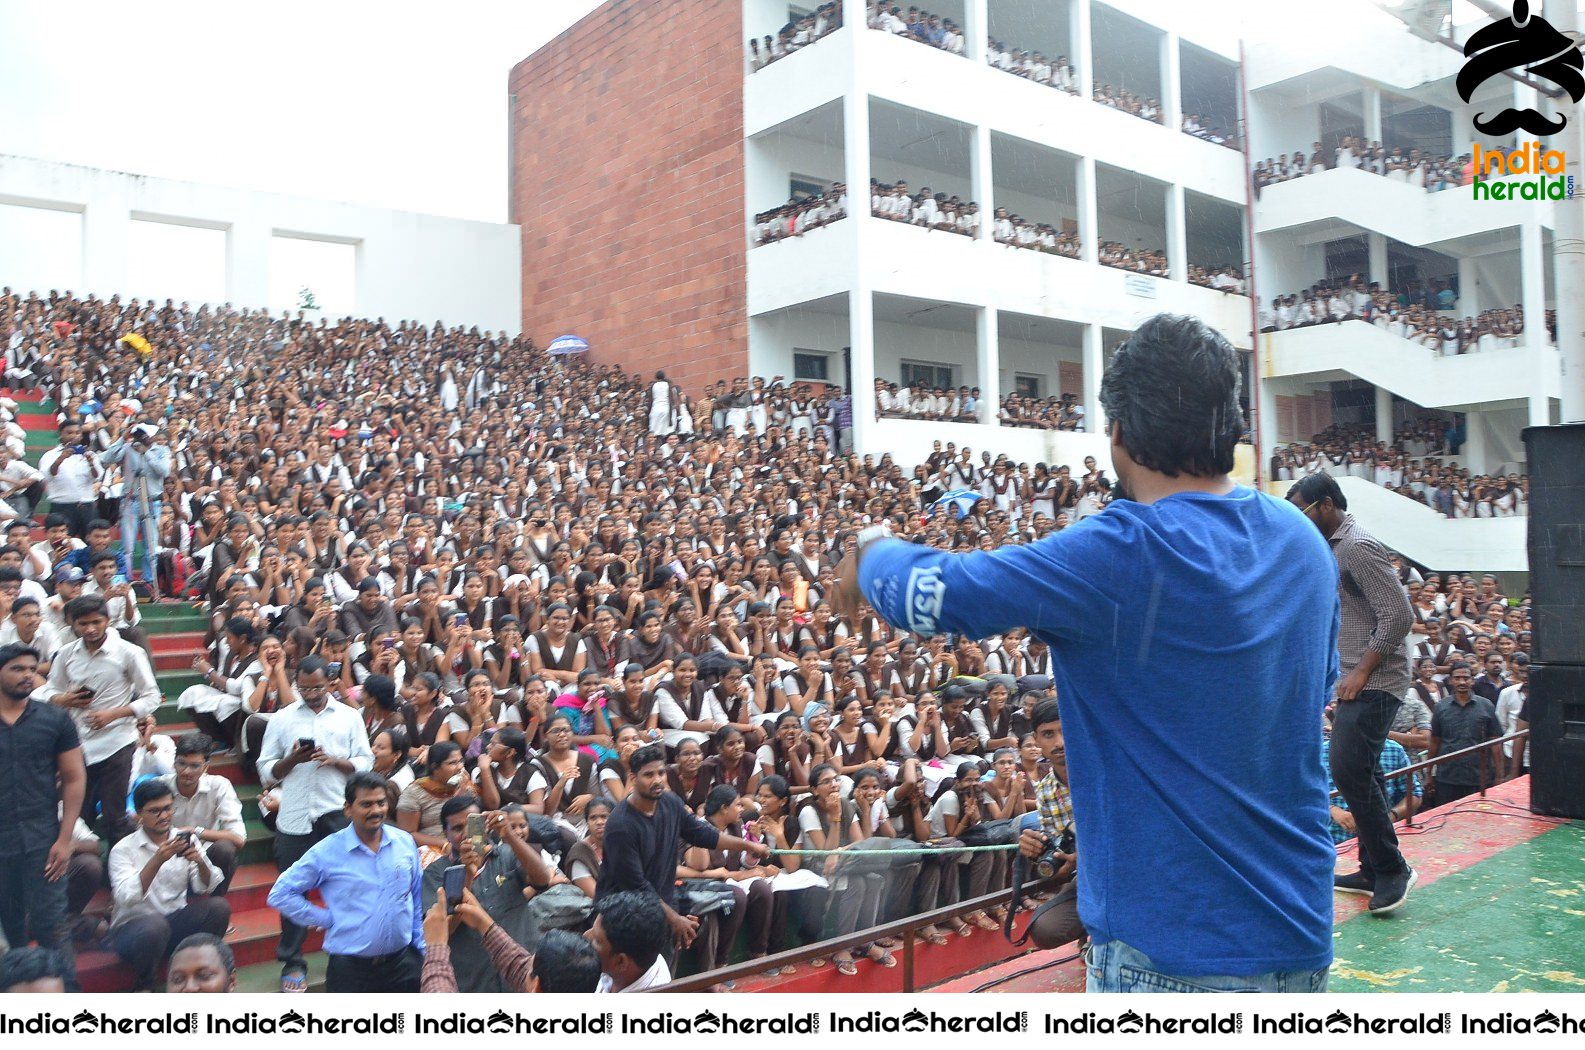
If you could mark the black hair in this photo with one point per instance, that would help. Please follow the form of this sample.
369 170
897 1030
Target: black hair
194 743
646 755
150 791
359 782
383 689
439 752
1313 488
15 651
600 801
635 925
1172 388
26 965
399 743
456 804
222 950
514 739
720 796
312 663
1045 711
84 605
243 628
565 962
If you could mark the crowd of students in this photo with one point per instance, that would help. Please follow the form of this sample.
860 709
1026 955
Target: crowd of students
1425 317
1057 73
1418 464
795 35
488 578
1404 164
933 211
800 215
1057 412
1228 279
926 28
1140 260
1141 106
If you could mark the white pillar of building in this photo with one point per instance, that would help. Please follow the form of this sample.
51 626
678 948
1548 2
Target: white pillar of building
1384 415
1569 266
1469 297
988 361
1094 416
248 264
107 244
982 179
1083 56
1372 102
1265 416
1532 282
861 300
1377 246
1474 451
1089 212
1177 234
976 26
1171 81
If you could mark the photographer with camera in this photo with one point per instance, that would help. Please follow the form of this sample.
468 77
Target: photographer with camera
1046 849
161 885
144 468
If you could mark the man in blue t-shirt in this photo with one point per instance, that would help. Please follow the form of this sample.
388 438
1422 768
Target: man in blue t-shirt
1206 862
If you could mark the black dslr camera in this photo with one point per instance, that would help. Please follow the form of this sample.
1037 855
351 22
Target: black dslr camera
1049 862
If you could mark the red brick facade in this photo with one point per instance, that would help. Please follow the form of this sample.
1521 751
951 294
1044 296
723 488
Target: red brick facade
628 184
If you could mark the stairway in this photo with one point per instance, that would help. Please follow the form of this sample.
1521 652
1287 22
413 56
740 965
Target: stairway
176 633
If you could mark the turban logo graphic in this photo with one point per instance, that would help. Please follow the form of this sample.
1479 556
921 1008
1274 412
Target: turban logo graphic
1522 42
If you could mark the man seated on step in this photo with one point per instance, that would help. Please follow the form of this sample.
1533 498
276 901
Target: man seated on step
25 626
161 886
35 566
207 805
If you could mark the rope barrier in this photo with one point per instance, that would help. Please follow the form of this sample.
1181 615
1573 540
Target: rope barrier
905 852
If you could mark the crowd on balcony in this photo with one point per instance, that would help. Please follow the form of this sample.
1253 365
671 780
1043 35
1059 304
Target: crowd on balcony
1033 65
1424 313
933 211
795 35
1419 464
938 32
801 214
1013 230
1201 128
1142 106
1406 164
1140 260
1228 279
485 581
897 401
1057 412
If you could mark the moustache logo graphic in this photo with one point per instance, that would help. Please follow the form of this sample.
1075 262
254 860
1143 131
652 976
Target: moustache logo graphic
1527 42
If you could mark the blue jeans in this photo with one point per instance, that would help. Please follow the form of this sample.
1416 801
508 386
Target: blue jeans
131 519
1115 967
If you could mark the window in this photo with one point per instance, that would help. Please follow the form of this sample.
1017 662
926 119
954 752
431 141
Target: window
811 366
1025 385
927 375
801 186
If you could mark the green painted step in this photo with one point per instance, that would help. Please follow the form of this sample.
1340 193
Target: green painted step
170 715
260 846
172 683
172 617
266 976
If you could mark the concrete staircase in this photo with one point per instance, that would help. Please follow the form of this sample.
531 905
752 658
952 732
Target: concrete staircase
176 634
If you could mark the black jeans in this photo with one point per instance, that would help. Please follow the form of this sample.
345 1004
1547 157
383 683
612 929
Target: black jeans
107 785
32 906
1359 730
77 515
397 972
289 849
148 940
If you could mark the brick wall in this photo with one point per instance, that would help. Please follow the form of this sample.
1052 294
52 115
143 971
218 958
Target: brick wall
628 184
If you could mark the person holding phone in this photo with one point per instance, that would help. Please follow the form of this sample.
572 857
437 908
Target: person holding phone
311 750
71 473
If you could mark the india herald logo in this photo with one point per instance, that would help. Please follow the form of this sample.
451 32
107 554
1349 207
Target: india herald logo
1527 42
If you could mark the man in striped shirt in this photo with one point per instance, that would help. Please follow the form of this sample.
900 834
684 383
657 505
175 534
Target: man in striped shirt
1373 660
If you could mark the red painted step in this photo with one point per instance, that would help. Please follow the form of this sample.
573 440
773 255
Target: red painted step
183 641
178 660
36 421
252 938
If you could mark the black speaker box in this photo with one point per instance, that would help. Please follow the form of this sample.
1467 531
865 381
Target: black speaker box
1556 464
1557 740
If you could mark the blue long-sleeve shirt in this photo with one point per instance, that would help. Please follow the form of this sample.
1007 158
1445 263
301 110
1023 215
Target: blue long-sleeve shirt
1194 645
372 900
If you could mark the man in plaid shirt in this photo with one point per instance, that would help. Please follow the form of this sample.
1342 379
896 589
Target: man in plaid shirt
1057 922
1403 801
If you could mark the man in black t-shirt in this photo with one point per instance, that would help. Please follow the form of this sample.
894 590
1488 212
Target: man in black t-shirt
641 840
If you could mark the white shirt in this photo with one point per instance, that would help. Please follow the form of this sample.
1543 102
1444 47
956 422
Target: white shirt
1509 702
120 676
214 806
311 790
74 482
167 892
658 974
46 639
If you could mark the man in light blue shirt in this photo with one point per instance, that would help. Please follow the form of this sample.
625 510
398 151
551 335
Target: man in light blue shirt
369 876
1205 863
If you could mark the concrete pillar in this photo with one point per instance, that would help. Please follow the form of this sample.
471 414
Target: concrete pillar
982 179
1265 414
861 305
988 362
1378 258
1372 113
107 247
861 342
1177 234
1532 282
1474 453
1469 291
1171 82
976 25
1094 415
248 265
1089 212
1083 56
1384 415
1569 266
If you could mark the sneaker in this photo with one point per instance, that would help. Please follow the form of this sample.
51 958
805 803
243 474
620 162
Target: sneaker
1391 893
1359 883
